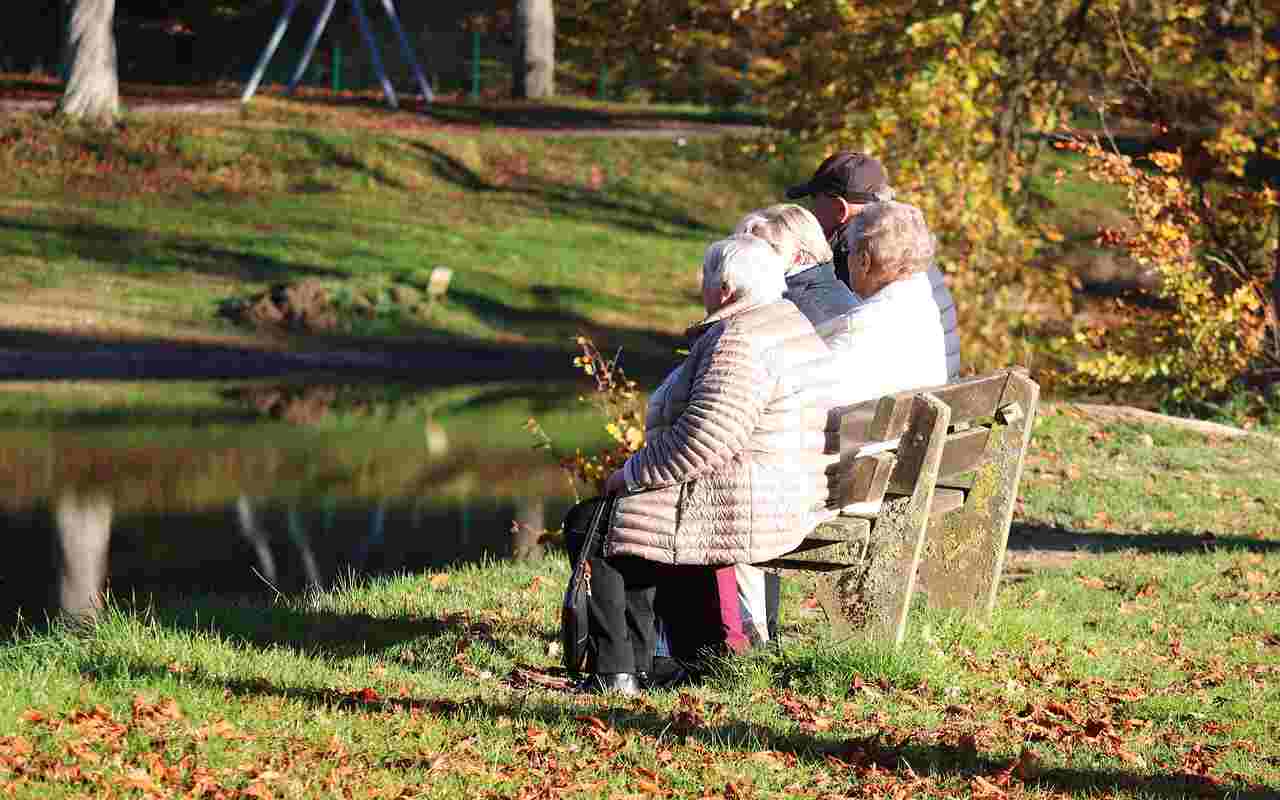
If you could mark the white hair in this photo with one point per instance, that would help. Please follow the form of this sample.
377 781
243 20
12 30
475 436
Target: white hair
895 239
747 265
794 232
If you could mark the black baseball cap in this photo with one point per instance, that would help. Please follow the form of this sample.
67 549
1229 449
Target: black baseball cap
854 176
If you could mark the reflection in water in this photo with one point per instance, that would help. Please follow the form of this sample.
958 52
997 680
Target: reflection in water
256 545
318 483
256 537
83 538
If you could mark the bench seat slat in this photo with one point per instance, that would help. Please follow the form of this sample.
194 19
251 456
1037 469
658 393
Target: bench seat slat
946 501
803 565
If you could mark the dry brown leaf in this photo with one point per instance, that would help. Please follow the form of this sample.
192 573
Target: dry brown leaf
984 788
1130 758
140 780
439 580
1028 766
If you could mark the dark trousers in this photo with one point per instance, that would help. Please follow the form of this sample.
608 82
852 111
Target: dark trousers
621 607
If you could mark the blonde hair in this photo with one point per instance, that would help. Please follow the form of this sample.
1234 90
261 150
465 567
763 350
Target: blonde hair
896 242
790 229
747 264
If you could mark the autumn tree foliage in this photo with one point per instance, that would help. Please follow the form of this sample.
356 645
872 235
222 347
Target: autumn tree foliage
960 98
1203 213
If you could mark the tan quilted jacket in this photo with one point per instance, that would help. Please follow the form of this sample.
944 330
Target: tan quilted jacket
732 466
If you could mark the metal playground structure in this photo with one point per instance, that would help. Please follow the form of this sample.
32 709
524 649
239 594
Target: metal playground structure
366 32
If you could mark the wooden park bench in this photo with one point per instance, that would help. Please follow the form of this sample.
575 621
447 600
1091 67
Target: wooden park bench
927 481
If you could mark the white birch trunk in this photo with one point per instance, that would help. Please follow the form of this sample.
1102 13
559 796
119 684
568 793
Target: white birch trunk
84 538
93 89
534 70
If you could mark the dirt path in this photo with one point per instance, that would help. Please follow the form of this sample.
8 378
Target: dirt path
415 115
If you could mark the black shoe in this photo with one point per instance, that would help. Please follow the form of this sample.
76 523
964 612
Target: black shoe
671 680
625 683
668 673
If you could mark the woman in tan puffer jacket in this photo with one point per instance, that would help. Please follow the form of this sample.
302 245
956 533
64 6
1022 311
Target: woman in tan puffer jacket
732 470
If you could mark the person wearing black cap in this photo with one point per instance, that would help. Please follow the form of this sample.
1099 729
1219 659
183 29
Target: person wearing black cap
844 184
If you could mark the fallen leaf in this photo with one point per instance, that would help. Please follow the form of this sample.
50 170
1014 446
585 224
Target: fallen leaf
1130 758
1028 766
984 788
439 580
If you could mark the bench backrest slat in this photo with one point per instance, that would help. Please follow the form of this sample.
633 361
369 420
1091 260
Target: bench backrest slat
867 480
968 400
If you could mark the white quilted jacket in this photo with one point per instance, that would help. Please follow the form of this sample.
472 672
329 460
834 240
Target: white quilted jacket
732 466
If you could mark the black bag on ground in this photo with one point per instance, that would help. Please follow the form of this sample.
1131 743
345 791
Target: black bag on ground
582 533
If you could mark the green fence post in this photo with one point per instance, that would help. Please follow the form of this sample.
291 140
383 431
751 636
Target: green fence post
475 66
337 68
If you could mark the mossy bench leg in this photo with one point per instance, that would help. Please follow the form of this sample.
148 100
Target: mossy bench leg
965 549
872 599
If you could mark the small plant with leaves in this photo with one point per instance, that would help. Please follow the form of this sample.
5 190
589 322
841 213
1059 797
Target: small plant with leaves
618 400
1213 250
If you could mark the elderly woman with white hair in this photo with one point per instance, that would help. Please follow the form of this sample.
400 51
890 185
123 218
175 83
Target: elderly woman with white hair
898 338
727 474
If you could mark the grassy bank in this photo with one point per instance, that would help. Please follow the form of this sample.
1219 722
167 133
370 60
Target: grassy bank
1147 672
145 232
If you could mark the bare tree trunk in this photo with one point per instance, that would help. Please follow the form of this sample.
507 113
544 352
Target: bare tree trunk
93 89
534 69
1275 307
84 537
527 532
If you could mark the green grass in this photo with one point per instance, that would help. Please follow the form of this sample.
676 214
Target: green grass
1150 671
417 686
148 230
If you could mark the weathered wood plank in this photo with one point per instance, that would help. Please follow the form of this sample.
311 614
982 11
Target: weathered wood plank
946 500
961 453
873 598
969 399
966 548
868 479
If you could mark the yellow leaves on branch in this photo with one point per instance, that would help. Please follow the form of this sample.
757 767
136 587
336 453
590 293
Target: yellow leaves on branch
1209 251
618 401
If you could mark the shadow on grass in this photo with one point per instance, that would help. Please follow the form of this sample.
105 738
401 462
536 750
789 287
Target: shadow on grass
1027 536
447 361
620 206
326 634
323 151
133 251
870 758
543 116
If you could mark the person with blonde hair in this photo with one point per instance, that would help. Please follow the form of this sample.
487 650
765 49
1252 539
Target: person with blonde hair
812 285
729 472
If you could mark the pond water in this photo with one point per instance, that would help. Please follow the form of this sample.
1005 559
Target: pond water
142 489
